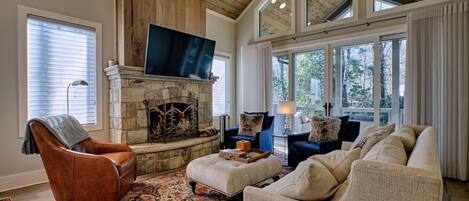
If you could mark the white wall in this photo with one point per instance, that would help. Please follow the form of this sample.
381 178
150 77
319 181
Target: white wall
12 163
223 31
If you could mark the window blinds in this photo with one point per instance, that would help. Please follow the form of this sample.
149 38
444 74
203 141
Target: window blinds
219 69
58 54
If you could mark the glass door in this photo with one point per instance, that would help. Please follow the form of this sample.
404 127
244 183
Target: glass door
353 82
308 87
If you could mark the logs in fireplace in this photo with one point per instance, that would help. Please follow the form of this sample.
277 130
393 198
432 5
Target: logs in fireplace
170 121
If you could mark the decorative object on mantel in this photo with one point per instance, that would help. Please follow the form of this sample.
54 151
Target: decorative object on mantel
75 83
287 108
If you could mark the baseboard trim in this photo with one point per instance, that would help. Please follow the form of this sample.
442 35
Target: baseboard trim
23 179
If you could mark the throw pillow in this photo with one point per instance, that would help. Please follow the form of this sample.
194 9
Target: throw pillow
381 132
207 132
338 162
370 142
324 129
407 136
250 124
264 121
311 180
388 150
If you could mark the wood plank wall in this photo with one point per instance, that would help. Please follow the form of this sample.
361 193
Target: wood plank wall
133 17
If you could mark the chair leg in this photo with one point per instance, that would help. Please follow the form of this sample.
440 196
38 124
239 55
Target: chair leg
193 185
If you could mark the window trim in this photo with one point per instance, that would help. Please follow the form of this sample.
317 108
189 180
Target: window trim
23 12
316 27
275 35
228 78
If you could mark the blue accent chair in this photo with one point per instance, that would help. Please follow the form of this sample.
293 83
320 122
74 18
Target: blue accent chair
299 148
262 140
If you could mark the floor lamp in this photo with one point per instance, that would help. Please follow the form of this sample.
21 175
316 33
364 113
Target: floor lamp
74 84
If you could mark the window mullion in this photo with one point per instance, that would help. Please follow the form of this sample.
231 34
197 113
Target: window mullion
395 82
376 80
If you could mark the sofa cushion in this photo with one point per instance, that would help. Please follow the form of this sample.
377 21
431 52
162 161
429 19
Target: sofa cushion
388 150
338 162
381 132
324 129
243 137
250 124
340 192
305 147
311 180
407 136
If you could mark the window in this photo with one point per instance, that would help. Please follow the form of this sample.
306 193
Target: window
392 80
57 51
221 69
275 18
380 5
319 11
309 82
279 79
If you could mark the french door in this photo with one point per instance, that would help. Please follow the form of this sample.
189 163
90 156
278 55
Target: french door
363 79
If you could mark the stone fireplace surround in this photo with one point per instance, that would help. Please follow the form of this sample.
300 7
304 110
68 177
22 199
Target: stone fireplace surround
129 87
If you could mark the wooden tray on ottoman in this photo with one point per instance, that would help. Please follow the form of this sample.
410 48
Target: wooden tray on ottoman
241 156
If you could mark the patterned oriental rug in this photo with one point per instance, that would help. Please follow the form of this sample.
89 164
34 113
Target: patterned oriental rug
175 187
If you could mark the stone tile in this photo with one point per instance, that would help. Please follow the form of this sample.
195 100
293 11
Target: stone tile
141 118
137 136
128 123
133 95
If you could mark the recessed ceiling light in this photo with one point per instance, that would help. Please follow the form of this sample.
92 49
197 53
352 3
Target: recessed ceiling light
273 1
282 6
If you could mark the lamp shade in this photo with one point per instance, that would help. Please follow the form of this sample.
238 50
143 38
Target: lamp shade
286 107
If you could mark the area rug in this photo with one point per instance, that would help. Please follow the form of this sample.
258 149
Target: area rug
174 187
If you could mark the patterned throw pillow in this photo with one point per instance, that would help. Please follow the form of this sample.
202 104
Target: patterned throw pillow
250 124
324 129
207 132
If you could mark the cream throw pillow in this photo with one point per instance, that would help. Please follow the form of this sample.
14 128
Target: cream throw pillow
381 132
370 142
407 136
338 162
311 180
388 150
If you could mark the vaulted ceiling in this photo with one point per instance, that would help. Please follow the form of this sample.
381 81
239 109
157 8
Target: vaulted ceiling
229 8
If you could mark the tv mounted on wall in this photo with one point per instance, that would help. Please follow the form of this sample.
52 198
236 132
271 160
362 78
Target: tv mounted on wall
174 53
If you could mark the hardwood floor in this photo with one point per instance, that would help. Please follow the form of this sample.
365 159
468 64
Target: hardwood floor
454 191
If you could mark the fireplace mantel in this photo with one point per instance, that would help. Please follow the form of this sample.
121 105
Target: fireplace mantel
132 72
129 87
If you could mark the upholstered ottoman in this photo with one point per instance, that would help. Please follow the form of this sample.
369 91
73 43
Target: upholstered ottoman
230 177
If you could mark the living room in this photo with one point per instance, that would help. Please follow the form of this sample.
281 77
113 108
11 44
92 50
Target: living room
234 100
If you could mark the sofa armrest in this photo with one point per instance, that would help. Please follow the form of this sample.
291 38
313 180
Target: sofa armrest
257 194
371 180
103 148
298 137
346 145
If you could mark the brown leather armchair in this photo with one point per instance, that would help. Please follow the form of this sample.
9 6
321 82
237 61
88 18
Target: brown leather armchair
90 171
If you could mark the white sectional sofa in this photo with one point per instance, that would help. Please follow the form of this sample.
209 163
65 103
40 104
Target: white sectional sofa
419 180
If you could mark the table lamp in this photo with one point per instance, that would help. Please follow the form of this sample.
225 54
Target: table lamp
286 108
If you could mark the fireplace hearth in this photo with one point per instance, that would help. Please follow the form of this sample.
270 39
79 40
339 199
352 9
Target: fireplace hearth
172 121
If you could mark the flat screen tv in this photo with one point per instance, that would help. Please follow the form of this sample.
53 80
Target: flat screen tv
173 53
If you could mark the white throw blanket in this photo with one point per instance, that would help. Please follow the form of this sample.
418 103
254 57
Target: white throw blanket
65 128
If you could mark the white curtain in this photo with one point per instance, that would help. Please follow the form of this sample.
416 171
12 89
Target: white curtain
437 80
256 78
